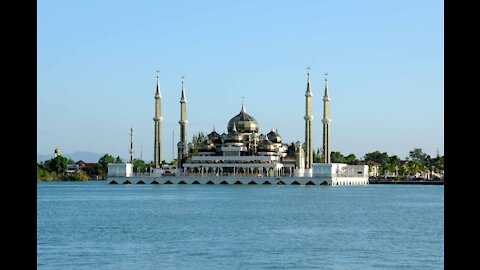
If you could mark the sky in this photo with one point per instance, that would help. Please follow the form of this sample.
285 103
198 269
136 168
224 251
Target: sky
97 62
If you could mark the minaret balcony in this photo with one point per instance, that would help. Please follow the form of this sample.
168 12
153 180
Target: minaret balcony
308 117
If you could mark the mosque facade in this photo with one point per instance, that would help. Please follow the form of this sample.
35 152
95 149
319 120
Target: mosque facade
243 155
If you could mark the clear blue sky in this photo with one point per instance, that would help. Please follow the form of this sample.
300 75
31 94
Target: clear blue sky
96 63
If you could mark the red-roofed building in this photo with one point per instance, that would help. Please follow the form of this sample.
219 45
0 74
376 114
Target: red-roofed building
84 164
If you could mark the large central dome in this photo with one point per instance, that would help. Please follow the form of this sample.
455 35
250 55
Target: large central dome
244 123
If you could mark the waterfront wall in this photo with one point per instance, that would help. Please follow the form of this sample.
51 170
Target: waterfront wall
331 181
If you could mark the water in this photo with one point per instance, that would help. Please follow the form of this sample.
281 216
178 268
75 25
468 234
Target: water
94 225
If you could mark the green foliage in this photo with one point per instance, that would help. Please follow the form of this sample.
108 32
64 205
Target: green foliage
377 157
196 140
291 150
102 165
139 166
337 157
414 167
78 176
91 171
351 159
403 170
44 175
317 156
418 155
118 160
58 164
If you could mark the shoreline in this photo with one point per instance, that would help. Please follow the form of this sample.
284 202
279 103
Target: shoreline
407 182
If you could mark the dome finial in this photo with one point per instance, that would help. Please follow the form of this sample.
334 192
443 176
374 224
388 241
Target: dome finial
243 104
213 128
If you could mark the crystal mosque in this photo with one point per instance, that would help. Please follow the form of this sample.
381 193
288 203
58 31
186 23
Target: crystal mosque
243 156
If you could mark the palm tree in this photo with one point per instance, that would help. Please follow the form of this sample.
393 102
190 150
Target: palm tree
403 170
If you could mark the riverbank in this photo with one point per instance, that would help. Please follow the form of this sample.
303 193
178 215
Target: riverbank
407 182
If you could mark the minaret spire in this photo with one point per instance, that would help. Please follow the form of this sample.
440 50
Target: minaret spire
157 151
308 128
309 90
158 93
182 149
183 91
326 124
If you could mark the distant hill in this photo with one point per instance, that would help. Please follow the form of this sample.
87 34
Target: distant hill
76 156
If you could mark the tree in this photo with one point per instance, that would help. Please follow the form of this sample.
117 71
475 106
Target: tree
403 170
377 157
337 157
394 164
91 171
291 150
351 159
139 165
317 156
418 155
118 160
196 140
43 174
385 168
78 176
103 165
414 167
59 164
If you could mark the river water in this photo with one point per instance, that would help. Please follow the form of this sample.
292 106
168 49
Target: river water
94 225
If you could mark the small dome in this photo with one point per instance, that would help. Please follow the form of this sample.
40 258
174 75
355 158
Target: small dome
266 146
234 135
213 136
206 146
274 137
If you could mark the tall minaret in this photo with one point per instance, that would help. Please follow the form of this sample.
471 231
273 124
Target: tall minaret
157 151
131 145
183 116
326 124
308 127
183 127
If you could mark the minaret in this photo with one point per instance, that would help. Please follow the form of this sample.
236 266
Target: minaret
131 145
308 127
157 151
183 116
183 127
326 124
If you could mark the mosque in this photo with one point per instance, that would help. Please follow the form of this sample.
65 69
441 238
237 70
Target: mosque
243 156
